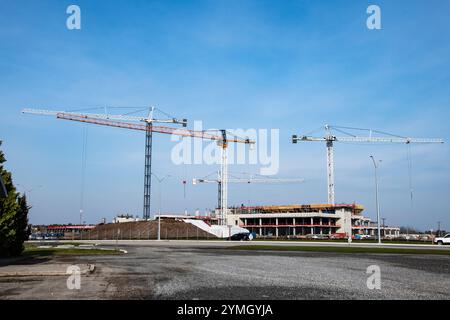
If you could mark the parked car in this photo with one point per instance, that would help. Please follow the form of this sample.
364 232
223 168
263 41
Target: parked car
442 240
341 235
364 236
244 236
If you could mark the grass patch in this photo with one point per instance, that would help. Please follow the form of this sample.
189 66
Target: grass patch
35 251
57 242
344 240
341 249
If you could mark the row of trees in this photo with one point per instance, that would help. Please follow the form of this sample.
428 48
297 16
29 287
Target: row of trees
14 227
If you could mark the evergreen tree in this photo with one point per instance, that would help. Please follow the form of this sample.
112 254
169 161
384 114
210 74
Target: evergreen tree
14 229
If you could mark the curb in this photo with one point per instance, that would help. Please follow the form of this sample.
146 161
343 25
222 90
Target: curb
89 270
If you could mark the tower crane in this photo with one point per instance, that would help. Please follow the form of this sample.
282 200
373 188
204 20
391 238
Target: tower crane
223 138
374 136
248 180
147 121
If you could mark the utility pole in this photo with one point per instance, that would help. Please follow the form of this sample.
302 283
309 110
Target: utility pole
376 198
384 226
438 232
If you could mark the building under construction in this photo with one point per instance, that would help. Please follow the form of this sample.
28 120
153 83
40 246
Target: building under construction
302 220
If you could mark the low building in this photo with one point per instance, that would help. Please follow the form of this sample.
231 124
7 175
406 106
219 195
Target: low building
302 220
65 229
365 226
124 218
58 231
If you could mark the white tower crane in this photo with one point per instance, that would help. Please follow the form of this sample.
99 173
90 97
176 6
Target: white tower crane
249 180
373 136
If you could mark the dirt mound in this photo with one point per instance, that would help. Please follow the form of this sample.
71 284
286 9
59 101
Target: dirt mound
170 229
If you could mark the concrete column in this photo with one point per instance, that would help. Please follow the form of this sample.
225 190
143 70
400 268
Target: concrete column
260 231
320 220
312 230
276 221
260 221
293 221
312 220
276 231
295 233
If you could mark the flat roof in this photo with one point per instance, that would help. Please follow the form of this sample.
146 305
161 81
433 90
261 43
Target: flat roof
70 227
304 206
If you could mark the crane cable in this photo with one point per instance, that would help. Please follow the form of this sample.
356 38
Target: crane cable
409 157
184 187
83 171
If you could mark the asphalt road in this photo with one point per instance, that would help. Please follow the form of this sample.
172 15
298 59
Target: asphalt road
223 244
179 271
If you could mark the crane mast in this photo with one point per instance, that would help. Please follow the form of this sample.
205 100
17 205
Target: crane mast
329 139
147 170
223 194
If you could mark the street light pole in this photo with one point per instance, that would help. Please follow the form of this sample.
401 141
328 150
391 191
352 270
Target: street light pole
376 199
160 180
438 232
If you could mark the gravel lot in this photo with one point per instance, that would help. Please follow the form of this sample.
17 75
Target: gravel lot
161 272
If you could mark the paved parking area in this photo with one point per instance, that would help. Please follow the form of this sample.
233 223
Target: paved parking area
211 272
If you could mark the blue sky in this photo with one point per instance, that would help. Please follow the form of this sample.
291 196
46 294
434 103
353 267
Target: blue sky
291 65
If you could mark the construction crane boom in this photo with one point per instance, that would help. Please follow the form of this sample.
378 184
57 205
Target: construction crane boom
367 139
143 127
243 180
101 116
250 180
329 139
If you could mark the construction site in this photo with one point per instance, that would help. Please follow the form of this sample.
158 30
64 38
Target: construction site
315 221
224 150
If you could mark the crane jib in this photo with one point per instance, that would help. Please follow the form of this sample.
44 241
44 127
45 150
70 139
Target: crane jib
143 127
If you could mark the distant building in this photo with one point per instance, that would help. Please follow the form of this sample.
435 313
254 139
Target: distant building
302 220
124 218
69 228
57 231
